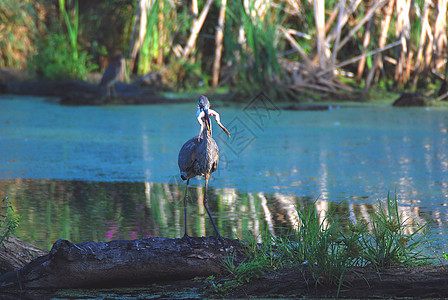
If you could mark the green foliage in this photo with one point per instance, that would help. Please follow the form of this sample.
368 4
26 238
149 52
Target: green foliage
329 249
261 257
253 43
8 220
18 27
72 26
321 246
255 55
55 60
388 244
445 255
150 49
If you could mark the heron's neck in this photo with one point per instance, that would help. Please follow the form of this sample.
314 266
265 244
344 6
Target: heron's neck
204 133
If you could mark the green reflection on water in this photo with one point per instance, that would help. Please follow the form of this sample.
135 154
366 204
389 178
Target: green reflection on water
102 211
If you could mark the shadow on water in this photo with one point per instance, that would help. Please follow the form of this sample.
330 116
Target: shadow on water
104 211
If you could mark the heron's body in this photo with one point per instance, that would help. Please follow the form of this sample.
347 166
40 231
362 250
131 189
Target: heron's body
200 154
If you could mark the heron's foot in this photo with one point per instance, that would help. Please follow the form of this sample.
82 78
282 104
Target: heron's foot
220 240
187 238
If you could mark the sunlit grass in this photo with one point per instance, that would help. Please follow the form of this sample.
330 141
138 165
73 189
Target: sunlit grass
329 249
9 220
388 244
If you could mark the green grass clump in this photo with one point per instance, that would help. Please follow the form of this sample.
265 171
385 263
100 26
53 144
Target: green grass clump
59 55
329 248
8 220
322 246
388 244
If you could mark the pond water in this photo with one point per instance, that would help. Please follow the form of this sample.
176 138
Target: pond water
102 173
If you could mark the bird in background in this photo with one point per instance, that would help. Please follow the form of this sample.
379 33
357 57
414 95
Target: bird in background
114 72
200 154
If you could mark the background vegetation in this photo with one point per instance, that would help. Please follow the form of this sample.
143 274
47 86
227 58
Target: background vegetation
286 47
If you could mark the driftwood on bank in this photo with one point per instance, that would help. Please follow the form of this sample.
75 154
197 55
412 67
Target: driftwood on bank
16 253
75 92
121 262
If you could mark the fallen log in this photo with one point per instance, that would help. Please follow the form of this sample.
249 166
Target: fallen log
359 283
119 263
122 262
16 253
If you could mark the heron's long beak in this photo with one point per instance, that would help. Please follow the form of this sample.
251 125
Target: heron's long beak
207 118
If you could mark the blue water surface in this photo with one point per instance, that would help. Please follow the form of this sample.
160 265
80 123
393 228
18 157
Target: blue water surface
355 153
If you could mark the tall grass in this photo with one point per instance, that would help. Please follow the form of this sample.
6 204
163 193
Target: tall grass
388 244
321 247
72 26
150 48
54 60
8 220
252 45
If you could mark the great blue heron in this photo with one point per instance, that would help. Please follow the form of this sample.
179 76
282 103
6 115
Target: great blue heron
200 154
114 72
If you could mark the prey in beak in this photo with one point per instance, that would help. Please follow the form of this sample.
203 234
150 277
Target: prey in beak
215 114
204 113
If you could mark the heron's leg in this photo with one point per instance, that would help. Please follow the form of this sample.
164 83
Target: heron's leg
185 208
207 177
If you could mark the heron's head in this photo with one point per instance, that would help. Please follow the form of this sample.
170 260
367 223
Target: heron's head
204 113
203 102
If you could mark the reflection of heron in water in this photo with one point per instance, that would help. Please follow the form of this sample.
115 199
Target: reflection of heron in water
200 154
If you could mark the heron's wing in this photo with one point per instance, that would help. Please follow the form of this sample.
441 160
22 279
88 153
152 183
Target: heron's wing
215 154
187 156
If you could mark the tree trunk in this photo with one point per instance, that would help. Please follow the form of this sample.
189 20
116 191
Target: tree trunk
365 45
428 53
342 16
440 34
196 29
219 38
402 33
419 59
353 5
138 35
385 28
122 262
370 14
298 48
319 18
377 60
195 13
